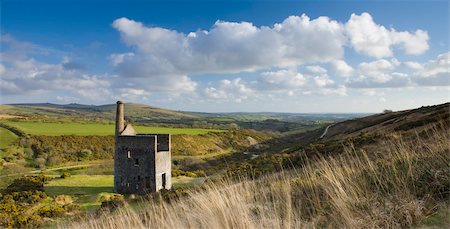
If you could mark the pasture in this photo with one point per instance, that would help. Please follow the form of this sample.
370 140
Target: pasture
81 129
6 138
88 189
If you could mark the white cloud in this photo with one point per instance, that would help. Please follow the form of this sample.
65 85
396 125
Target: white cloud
413 65
164 59
341 68
377 70
117 59
316 69
385 74
67 99
340 90
379 73
281 80
414 44
435 72
9 88
133 94
375 40
23 75
232 47
229 90
323 81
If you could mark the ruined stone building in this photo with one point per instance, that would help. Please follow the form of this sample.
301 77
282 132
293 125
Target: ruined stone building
142 162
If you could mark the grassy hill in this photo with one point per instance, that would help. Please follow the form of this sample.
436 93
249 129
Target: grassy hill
88 129
407 122
92 111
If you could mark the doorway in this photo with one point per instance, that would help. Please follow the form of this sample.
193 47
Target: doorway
164 181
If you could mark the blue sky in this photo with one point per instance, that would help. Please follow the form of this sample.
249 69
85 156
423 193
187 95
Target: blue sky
289 56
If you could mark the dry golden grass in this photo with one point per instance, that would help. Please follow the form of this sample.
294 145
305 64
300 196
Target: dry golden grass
8 116
396 189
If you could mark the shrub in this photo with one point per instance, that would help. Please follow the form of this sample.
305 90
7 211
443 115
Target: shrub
39 163
54 160
178 172
51 211
63 200
84 154
114 202
29 183
65 174
200 173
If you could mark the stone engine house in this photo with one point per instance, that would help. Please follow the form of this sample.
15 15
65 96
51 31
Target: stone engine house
142 162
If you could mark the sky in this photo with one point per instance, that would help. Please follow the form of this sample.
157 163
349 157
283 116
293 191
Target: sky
227 56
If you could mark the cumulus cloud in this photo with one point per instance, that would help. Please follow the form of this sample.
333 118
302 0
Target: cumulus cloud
281 80
389 73
435 72
316 69
164 59
413 65
323 81
24 75
132 94
341 68
379 73
377 41
229 90
233 47
290 81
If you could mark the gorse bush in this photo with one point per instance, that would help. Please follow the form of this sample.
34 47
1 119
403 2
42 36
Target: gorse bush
26 183
395 187
23 204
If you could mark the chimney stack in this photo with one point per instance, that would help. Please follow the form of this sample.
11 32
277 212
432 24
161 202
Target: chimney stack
120 122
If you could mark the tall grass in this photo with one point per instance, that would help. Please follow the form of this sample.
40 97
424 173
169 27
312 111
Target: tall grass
398 186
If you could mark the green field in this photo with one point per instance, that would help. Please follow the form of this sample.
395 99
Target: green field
55 129
87 189
6 137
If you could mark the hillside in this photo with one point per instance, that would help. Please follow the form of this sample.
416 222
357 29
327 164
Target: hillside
134 110
406 122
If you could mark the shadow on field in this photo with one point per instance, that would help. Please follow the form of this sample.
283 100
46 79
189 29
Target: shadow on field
81 194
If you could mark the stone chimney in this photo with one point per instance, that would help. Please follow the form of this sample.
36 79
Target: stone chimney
120 122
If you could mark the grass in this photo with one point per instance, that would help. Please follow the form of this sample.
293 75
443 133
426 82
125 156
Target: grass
399 185
6 138
87 189
187 182
56 129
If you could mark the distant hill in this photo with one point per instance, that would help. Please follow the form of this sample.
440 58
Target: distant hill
133 110
146 114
